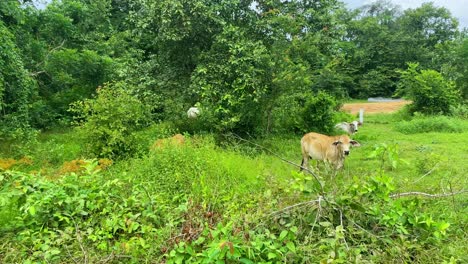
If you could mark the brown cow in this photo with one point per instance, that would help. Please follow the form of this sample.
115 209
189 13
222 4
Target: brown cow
331 149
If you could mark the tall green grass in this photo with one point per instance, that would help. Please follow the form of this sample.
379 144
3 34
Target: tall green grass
431 124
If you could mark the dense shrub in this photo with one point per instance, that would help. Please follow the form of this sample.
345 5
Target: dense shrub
52 219
318 113
377 82
110 120
430 92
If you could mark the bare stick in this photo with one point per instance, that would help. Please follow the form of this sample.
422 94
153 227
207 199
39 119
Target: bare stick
398 195
297 205
69 254
341 223
78 236
283 159
427 173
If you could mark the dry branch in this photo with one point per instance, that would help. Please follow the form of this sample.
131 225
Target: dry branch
298 205
398 195
50 51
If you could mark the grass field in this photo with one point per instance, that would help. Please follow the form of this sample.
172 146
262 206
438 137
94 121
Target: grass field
237 202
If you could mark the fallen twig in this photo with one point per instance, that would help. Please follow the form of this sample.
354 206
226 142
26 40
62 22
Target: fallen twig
80 242
298 205
398 195
427 173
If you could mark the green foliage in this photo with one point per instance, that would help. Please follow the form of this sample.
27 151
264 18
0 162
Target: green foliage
306 112
74 76
199 168
425 124
429 91
377 82
110 120
388 153
50 218
358 219
386 38
17 90
278 67
460 111
318 113
225 244
461 66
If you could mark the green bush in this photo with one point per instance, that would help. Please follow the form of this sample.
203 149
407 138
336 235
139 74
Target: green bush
318 113
430 92
110 120
424 124
197 203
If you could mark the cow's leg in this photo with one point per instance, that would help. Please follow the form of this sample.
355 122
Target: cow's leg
305 163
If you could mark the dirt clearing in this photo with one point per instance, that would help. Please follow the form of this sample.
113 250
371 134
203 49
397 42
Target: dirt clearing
374 107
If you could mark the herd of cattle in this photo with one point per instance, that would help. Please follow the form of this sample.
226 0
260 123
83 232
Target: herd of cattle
331 149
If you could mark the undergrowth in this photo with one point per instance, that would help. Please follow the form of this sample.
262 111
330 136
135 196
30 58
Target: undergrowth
195 203
202 202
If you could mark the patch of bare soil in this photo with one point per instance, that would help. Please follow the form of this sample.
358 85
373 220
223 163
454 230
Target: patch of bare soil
375 107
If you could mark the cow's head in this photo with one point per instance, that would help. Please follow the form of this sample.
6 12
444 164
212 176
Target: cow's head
354 126
344 143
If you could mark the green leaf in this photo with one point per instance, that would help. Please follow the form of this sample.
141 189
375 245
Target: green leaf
290 245
32 210
271 255
246 261
283 234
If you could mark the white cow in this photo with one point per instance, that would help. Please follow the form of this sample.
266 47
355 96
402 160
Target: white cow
350 128
193 112
331 149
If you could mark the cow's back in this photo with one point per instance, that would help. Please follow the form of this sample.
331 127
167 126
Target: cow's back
317 146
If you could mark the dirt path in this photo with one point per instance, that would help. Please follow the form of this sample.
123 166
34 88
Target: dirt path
380 107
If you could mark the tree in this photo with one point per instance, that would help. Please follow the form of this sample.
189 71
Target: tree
422 29
232 81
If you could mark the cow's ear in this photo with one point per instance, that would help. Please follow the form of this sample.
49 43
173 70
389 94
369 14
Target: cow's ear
336 143
355 143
